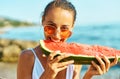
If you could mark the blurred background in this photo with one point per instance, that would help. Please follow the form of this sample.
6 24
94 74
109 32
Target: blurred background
98 22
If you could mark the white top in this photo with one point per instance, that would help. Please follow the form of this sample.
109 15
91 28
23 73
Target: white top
38 69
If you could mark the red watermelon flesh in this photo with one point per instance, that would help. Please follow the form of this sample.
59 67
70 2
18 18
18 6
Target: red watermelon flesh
81 49
80 53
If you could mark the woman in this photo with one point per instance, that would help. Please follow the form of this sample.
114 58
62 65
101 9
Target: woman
58 21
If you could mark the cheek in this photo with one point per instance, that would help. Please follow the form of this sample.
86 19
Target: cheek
62 37
47 36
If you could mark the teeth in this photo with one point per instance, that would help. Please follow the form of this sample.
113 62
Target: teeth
55 40
58 40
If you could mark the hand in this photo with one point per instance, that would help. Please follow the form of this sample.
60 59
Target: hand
104 66
53 66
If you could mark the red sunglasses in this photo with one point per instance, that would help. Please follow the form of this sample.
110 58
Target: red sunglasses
64 33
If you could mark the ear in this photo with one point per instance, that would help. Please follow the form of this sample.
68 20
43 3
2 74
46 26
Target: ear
43 18
72 27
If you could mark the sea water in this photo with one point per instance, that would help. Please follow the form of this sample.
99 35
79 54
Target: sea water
106 35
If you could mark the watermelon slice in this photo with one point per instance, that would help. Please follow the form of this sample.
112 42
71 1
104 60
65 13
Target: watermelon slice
80 53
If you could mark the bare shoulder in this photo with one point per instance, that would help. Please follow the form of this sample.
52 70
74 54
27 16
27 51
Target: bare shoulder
25 64
27 54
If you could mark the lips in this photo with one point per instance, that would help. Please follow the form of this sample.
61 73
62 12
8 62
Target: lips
55 39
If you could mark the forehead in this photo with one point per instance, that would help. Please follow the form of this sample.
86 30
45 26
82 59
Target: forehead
59 16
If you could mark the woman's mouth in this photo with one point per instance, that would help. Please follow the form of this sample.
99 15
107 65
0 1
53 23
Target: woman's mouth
55 39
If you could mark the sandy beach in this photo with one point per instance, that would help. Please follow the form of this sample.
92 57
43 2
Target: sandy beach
8 70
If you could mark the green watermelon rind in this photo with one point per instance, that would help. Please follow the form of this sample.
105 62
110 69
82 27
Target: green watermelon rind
78 59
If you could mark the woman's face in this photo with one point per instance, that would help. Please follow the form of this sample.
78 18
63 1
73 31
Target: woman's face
58 24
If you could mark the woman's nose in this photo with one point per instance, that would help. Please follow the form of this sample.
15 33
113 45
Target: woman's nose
57 33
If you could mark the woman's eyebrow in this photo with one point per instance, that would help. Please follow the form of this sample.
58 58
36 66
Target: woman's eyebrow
51 23
54 24
65 25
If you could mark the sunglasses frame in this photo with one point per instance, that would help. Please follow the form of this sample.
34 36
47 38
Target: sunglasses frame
52 30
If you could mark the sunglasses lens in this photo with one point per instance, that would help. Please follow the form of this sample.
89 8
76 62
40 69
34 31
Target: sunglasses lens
51 30
65 34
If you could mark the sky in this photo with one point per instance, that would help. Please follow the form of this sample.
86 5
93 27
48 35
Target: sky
88 11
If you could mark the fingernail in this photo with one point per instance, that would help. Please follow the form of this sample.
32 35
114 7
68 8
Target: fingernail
57 51
107 70
44 55
72 61
101 54
68 54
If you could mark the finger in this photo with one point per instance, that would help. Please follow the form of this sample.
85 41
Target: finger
65 63
62 68
115 61
99 71
101 62
107 62
51 56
